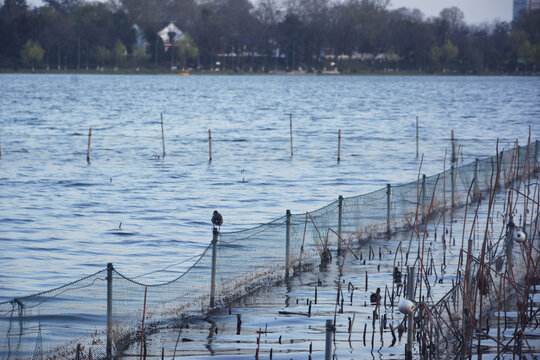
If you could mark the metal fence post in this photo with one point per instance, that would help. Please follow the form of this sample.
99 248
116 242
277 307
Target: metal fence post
340 220
214 256
110 269
287 242
410 316
388 207
328 347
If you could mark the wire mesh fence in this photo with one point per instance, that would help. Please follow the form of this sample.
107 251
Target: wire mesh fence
104 312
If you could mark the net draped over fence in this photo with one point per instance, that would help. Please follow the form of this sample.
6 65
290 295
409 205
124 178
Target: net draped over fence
103 311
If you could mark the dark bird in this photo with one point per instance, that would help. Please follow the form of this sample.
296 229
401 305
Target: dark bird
376 296
217 219
397 275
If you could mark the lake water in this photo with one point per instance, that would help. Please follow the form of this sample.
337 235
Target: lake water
61 218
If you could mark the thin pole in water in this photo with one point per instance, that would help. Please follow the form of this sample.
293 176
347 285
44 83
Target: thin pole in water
210 144
290 124
142 326
340 222
339 146
536 145
388 207
410 316
328 345
417 136
89 145
109 310
162 135
454 156
287 241
213 275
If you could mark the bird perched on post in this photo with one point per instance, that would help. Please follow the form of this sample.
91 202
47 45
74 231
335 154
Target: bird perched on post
376 296
217 219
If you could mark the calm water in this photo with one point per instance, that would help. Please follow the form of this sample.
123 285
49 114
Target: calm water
61 219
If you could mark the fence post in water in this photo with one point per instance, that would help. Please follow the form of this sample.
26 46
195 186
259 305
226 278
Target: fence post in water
388 207
162 135
536 144
339 146
328 347
454 157
423 196
452 186
340 220
214 256
109 309
89 145
210 144
417 136
476 190
290 123
410 317
287 241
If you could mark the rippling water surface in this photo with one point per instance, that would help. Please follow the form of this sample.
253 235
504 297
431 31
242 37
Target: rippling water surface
61 218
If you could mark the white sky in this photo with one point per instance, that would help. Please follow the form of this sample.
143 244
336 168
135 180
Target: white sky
476 11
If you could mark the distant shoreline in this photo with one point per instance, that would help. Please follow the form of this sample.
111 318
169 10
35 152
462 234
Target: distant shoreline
277 73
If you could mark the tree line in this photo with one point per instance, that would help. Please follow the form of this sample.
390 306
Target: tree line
349 36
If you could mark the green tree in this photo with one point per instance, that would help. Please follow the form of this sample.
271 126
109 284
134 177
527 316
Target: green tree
140 54
32 53
449 52
102 55
186 49
120 52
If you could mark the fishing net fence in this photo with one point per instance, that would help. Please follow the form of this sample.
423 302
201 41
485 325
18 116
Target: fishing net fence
491 308
104 313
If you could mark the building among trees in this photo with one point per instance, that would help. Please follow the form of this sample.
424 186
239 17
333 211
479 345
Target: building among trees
525 5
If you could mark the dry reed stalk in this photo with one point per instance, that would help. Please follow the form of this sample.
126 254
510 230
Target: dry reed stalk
258 345
318 232
178 339
444 209
303 240
340 238
425 233
416 224
483 251
142 326
351 326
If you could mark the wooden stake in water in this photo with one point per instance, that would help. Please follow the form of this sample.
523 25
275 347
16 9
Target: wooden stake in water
328 345
143 316
210 144
89 145
339 146
417 136
454 156
108 347
287 241
290 123
215 235
388 208
340 220
162 135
